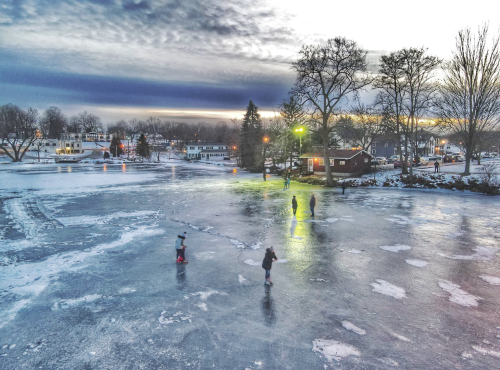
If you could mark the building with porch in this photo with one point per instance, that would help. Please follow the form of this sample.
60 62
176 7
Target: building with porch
342 162
207 151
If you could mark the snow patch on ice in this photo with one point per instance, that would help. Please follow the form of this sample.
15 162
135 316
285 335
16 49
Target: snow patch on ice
458 295
492 280
486 351
417 263
388 361
346 219
208 293
355 251
10 314
203 256
281 261
241 279
103 219
351 327
127 290
322 280
252 262
68 303
237 243
395 248
482 254
400 220
400 337
203 306
383 287
257 245
334 350
332 220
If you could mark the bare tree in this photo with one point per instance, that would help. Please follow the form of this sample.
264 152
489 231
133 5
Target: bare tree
327 76
154 129
470 91
53 123
85 122
407 93
362 126
18 130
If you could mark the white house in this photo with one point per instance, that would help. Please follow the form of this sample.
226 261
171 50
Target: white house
207 151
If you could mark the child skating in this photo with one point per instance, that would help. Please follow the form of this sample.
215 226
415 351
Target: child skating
267 264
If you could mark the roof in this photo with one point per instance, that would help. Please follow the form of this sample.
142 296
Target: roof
336 154
215 151
207 144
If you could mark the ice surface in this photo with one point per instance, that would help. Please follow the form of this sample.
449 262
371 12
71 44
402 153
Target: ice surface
350 326
458 295
241 279
383 287
400 337
251 262
334 350
417 263
482 254
492 280
395 248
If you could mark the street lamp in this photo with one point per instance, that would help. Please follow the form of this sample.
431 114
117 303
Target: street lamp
299 131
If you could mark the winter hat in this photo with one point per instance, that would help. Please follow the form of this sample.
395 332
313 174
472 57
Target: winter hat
185 234
271 248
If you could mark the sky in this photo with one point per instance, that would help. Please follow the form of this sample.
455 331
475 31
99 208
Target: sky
199 60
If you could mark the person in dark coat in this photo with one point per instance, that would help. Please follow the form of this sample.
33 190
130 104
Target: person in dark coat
294 205
267 264
344 186
436 166
312 204
264 174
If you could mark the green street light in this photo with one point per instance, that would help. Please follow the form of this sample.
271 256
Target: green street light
300 131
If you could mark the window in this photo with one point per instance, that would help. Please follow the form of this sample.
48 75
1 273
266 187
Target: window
342 163
332 162
366 160
54 144
199 148
374 145
192 148
321 161
374 151
386 145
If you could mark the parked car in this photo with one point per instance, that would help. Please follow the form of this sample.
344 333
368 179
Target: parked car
435 158
397 164
448 159
381 160
458 158
423 162
392 158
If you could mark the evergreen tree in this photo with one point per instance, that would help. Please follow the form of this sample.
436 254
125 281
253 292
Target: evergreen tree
116 147
142 147
251 135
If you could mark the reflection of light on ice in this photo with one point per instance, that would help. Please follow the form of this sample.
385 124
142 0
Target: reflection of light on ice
332 349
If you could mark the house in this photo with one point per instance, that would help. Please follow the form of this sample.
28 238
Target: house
207 151
342 162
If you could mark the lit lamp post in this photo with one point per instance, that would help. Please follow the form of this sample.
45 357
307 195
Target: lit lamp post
266 141
299 131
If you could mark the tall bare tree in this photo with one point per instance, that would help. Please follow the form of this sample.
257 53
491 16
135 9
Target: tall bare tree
327 76
53 123
418 71
18 130
470 91
85 122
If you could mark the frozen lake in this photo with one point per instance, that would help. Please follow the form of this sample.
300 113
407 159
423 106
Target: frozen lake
378 279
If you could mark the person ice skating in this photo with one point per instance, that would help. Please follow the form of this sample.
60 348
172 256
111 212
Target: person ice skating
285 184
180 247
436 166
344 186
267 263
312 204
264 175
288 182
294 205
